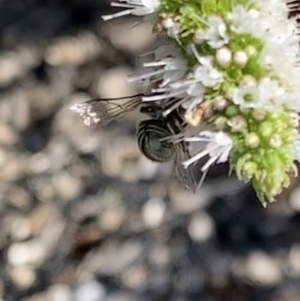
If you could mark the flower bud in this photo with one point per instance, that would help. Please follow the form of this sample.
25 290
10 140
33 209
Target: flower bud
220 103
236 123
259 114
275 141
252 140
249 169
266 129
223 57
220 122
240 58
198 37
250 50
230 92
232 111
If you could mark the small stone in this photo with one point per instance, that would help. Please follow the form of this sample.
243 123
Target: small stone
16 63
67 186
159 256
259 268
73 50
120 159
40 216
153 212
19 198
135 277
114 257
186 201
7 135
90 291
295 199
21 99
201 227
112 218
26 253
90 206
116 78
59 292
13 168
23 276
43 191
147 169
19 227
294 261
87 235
135 39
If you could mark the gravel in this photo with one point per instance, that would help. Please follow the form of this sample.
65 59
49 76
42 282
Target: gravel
84 216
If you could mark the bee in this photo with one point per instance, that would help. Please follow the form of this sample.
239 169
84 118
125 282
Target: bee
154 142
153 135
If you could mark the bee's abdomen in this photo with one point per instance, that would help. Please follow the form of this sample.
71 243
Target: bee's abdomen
149 134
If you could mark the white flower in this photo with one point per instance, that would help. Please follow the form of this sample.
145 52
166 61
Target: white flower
241 21
197 91
164 72
283 60
207 75
173 69
218 147
274 7
266 94
134 7
216 35
205 72
164 67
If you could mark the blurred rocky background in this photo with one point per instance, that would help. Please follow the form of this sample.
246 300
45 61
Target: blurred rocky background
84 216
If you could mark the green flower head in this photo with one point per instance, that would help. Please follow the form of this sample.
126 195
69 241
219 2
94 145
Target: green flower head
233 66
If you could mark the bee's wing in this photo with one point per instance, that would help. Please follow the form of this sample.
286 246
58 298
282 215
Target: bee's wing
101 111
185 175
